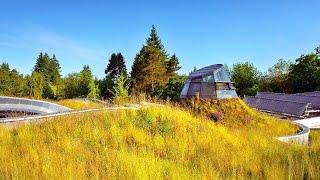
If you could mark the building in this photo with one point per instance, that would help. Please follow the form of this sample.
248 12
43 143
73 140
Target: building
211 82
299 105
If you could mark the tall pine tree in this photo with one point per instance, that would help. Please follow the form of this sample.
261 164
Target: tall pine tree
116 67
54 70
173 66
149 66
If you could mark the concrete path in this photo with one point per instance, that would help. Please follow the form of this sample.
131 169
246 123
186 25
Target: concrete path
312 123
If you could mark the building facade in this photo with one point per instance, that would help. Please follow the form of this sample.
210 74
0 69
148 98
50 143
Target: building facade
211 82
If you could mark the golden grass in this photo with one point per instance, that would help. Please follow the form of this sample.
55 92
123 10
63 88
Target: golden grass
79 104
155 143
236 115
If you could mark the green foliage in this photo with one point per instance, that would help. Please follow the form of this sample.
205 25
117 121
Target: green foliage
81 84
49 68
11 82
144 120
304 75
106 87
173 66
152 66
165 126
276 80
34 85
93 90
149 70
120 90
116 67
49 91
71 85
245 76
172 90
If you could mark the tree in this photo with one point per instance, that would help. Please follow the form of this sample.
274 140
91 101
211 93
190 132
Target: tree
149 68
106 87
278 75
34 85
174 87
11 82
245 76
71 86
54 71
120 90
155 41
49 68
116 67
304 75
42 65
172 66
317 50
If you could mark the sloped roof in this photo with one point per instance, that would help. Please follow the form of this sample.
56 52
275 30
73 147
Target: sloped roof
205 71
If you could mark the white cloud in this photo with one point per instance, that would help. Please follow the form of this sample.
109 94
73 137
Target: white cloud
34 39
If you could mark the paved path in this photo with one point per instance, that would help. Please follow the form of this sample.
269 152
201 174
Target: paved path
312 123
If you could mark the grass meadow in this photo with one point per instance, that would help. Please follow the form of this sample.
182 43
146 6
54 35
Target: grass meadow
217 140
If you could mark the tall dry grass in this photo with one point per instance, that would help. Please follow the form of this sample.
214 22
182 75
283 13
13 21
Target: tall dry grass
154 143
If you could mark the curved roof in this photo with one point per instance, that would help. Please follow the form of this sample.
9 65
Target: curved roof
205 71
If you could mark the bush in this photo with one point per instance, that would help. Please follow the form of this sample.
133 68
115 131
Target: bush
217 116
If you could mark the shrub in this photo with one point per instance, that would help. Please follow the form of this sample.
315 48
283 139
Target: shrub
217 116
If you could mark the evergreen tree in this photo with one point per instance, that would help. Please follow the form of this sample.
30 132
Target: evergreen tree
149 67
173 66
149 70
106 87
116 67
49 68
54 70
42 65
87 85
155 41
120 90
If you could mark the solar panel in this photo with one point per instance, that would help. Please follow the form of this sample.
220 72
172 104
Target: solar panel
277 106
314 100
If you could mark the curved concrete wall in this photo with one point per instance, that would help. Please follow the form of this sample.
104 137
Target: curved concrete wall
301 138
30 105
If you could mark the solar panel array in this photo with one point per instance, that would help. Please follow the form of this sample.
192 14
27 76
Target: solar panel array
277 106
311 98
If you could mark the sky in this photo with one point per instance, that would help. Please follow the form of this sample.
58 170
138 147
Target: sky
199 32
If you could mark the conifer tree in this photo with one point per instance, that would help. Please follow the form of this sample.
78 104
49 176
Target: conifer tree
42 64
173 66
54 70
149 66
116 67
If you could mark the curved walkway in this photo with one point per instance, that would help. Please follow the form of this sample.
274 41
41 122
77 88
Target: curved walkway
301 138
30 105
312 123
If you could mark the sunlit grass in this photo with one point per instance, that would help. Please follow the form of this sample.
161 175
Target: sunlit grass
154 143
79 104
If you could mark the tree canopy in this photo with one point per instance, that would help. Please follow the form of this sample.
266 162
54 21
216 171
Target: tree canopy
116 67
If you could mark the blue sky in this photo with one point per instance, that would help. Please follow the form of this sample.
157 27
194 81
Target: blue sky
200 32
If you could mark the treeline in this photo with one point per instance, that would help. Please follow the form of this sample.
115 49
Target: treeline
301 75
154 72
